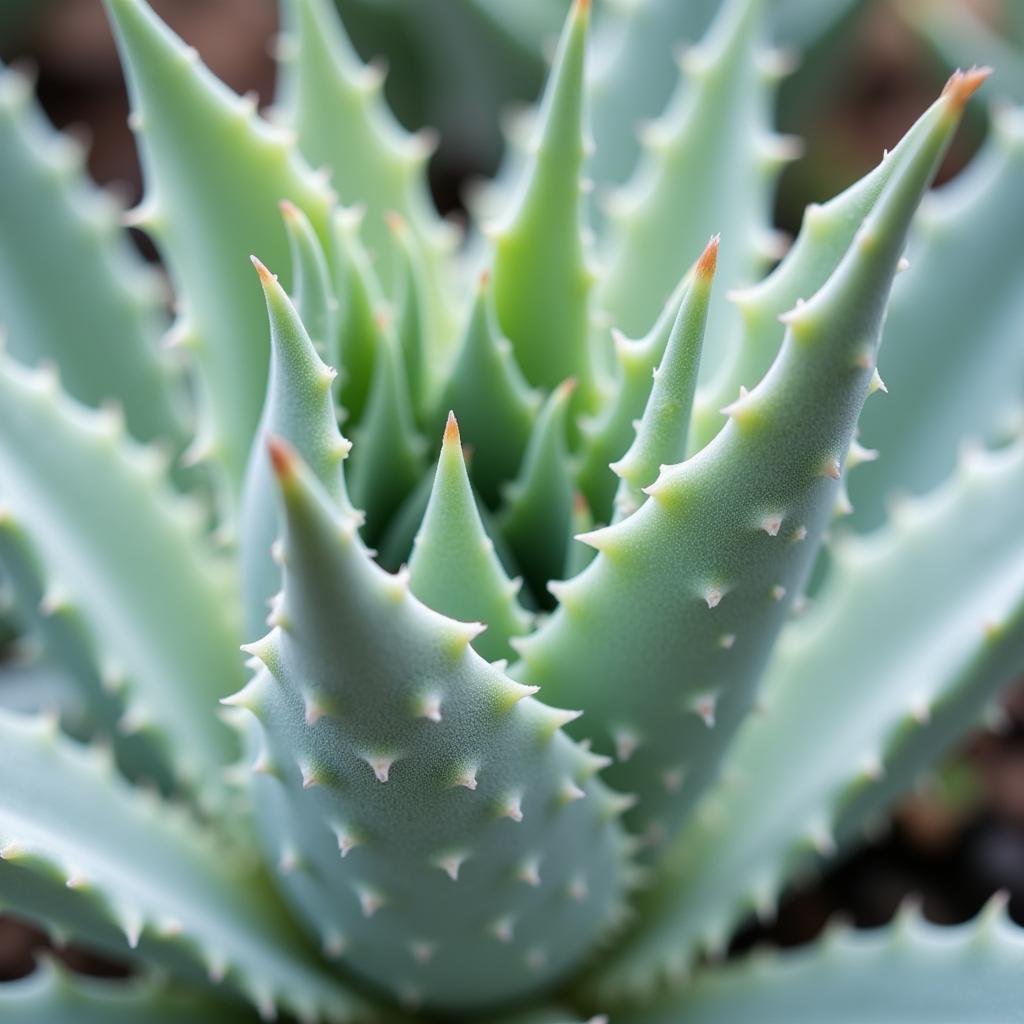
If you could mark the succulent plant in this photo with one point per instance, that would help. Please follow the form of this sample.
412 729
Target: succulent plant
608 491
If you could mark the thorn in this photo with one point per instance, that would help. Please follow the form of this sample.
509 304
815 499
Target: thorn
450 863
131 924
429 707
735 407
713 597
672 779
76 881
370 900
422 952
310 776
778 592
578 890
555 719
832 469
871 767
771 525
536 958
502 928
821 839
704 705
277 552
333 945
877 384
347 839
920 709
314 711
381 766
511 807
466 778
216 966
626 741
568 793
529 871
726 640
800 533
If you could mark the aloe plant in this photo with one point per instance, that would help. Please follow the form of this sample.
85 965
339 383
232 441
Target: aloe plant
529 724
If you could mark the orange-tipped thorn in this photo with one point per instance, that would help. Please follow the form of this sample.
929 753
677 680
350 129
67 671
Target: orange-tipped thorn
963 84
708 259
265 275
282 457
583 6
395 222
485 279
567 387
451 429
288 209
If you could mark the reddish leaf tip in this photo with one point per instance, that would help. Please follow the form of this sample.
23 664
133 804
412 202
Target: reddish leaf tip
451 429
265 275
282 457
709 259
963 84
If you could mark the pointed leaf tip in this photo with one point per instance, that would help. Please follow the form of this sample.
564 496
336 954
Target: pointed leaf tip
288 210
709 259
451 429
282 457
266 277
963 84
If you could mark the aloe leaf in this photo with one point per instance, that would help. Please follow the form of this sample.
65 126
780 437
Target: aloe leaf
50 619
36 686
536 519
908 971
662 431
953 363
312 286
412 324
333 102
299 407
361 314
541 281
633 74
54 995
126 873
385 437
492 401
454 568
430 820
133 559
607 434
708 167
111 354
951 573
695 585
215 173
826 233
